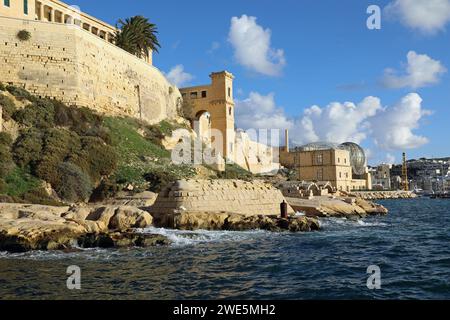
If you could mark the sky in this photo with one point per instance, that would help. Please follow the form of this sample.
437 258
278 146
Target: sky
314 67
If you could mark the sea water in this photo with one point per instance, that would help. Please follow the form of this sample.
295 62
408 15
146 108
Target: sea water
411 247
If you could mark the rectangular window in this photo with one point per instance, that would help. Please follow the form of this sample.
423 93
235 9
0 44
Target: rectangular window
194 95
319 159
320 174
25 7
6 3
203 94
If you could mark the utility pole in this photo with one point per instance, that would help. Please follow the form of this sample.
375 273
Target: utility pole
405 181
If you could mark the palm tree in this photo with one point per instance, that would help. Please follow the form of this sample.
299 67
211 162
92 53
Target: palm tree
137 36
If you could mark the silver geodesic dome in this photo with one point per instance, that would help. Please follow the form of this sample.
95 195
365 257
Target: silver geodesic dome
357 157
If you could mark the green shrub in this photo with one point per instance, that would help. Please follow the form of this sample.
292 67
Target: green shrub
20 181
5 139
233 171
107 189
58 145
75 185
3 186
8 107
6 161
83 121
24 35
159 179
2 87
20 93
95 158
39 114
39 196
27 148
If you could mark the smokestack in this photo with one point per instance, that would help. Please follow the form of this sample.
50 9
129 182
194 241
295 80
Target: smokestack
287 140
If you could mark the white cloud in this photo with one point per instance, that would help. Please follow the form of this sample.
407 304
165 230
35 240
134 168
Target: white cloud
420 71
178 76
386 128
337 122
260 112
393 127
252 46
427 16
215 45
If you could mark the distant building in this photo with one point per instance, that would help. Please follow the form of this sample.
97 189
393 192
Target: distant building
342 165
381 177
430 175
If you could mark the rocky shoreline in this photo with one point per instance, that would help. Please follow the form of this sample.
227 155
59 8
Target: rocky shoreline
230 205
34 227
383 195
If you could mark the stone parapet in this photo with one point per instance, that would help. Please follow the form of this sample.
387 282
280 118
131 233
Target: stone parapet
227 196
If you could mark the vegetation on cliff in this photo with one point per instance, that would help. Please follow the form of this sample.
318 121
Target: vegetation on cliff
61 153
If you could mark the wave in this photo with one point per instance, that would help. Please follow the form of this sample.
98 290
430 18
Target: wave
187 238
338 223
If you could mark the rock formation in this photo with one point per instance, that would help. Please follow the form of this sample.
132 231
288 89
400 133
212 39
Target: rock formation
34 227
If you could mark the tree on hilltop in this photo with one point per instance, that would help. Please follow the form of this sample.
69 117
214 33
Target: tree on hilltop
137 35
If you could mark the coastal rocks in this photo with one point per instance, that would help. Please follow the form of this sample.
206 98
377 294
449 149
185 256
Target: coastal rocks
381 195
103 218
25 228
32 227
371 208
336 207
130 217
233 222
121 240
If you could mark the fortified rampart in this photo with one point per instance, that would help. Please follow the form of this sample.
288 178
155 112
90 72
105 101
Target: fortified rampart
227 196
68 63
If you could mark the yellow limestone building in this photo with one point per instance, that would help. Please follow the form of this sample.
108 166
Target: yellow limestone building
323 162
214 110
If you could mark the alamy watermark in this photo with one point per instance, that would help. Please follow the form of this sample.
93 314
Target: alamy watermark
374 20
74 280
374 279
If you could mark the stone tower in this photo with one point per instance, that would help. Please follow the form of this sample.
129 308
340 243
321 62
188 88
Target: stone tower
216 99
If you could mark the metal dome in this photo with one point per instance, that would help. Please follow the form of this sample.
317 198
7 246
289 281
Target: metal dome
357 157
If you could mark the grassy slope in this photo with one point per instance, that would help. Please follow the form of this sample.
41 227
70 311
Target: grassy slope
138 155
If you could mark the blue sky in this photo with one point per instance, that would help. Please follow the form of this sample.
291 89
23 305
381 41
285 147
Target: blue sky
317 52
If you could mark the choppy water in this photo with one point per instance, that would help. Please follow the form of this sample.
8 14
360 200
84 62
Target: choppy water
411 246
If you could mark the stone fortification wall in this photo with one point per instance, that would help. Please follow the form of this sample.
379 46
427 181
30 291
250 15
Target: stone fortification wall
230 196
68 63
